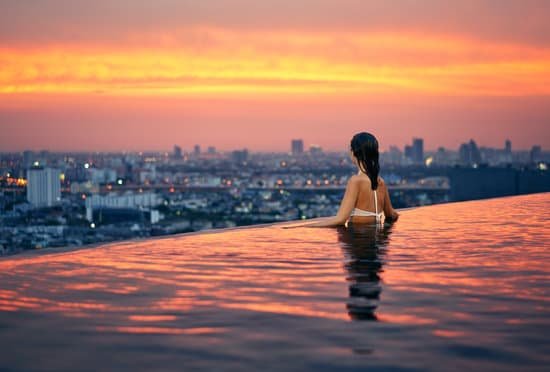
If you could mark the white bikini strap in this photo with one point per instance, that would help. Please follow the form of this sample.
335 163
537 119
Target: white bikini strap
376 206
375 202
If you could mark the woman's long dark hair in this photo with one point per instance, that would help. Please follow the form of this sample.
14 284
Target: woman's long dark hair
365 148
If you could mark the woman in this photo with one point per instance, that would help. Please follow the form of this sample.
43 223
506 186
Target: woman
366 197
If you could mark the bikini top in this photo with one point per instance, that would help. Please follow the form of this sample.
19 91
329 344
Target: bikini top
363 213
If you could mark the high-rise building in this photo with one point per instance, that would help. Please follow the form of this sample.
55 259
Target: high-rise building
415 153
211 150
297 146
408 151
177 152
469 153
43 187
508 146
418 150
197 150
240 156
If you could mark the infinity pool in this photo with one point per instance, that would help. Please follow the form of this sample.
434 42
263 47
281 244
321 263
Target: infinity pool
449 287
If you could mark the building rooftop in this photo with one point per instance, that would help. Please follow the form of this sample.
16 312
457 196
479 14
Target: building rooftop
448 287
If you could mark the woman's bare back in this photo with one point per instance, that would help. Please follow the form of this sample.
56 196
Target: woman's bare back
365 198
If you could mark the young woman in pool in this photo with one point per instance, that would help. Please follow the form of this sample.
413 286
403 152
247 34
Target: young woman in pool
366 197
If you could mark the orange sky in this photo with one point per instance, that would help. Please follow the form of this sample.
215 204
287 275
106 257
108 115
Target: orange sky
126 76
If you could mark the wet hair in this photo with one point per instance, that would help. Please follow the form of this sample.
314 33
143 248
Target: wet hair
365 148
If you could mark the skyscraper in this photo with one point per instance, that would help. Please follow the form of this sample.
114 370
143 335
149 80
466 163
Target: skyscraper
240 156
177 152
415 152
508 146
297 146
408 151
469 153
197 150
418 150
43 187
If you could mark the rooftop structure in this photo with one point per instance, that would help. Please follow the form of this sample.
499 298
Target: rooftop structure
44 189
449 287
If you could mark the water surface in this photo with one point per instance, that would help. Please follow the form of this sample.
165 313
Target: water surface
448 287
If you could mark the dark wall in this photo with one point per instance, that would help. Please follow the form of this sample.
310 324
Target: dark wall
480 183
117 215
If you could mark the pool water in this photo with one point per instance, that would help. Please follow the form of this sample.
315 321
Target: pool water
448 287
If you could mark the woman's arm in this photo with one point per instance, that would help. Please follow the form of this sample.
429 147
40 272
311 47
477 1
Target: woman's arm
346 206
390 213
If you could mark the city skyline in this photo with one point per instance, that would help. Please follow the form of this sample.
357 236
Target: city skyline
194 148
104 75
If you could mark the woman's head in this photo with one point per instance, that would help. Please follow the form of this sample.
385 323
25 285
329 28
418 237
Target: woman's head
364 148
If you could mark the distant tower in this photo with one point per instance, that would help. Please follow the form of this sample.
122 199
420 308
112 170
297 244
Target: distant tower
476 155
177 152
43 187
197 150
508 146
297 146
469 153
211 150
536 154
240 156
418 150
408 151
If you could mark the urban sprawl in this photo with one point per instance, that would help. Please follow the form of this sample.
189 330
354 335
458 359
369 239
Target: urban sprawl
52 199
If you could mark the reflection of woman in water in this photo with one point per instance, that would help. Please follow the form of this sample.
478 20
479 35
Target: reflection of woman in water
364 249
366 198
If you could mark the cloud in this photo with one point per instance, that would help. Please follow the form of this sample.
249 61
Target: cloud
256 73
219 61
105 21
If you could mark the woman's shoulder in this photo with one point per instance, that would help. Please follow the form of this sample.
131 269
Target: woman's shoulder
358 179
364 179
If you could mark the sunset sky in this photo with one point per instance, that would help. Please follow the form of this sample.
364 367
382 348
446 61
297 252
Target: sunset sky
145 75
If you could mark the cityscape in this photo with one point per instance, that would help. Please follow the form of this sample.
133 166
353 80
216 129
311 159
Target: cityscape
55 199
188 185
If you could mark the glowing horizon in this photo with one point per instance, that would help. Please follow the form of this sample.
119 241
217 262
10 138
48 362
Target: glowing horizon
281 62
229 80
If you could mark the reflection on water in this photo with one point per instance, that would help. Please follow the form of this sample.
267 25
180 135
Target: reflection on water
364 248
457 286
